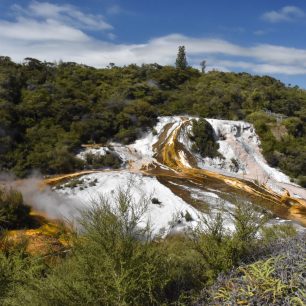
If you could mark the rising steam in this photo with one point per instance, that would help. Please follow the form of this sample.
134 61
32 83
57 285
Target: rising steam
42 198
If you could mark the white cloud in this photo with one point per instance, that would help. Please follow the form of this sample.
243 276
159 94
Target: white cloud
44 31
287 13
65 13
26 29
264 68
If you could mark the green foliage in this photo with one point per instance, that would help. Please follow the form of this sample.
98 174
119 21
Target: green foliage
294 126
219 249
186 270
107 160
114 260
181 61
133 119
48 110
204 139
302 180
271 233
283 142
188 216
14 213
274 280
259 277
17 270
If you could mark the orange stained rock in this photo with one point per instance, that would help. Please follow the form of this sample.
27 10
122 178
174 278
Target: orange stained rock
167 153
298 213
170 157
48 238
59 178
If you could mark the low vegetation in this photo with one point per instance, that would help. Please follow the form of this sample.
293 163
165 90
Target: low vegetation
114 260
277 279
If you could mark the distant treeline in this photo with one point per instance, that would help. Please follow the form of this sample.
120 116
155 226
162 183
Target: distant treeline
48 110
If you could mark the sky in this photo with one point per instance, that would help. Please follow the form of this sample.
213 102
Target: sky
265 37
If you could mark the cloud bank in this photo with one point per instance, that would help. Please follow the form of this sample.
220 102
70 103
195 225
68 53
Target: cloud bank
287 13
61 32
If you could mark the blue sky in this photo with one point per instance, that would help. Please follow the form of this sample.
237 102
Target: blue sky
260 37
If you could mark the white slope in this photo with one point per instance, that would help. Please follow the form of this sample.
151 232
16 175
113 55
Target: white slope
145 144
238 144
163 217
237 140
240 147
95 151
140 152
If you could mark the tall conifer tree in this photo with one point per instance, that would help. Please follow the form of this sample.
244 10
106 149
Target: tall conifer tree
181 61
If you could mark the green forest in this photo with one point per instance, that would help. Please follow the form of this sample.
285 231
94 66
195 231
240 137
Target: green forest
49 110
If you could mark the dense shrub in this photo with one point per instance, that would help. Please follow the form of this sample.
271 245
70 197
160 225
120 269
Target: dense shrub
14 213
114 260
278 279
17 269
204 139
221 249
108 160
302 180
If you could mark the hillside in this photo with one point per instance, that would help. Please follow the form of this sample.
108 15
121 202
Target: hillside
150 185
57 107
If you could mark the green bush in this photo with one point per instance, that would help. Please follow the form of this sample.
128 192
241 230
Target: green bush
271 233
188 216
302 180
220 249
17 270
204 139
14 214
109 160
113 262
277 279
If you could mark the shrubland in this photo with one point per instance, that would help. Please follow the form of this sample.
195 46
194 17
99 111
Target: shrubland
113 259
47 110
276 279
